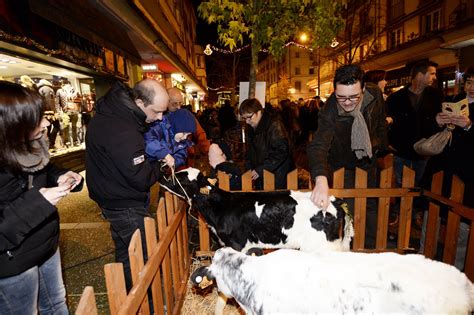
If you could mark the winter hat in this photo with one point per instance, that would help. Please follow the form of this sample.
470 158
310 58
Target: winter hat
182 120
216 156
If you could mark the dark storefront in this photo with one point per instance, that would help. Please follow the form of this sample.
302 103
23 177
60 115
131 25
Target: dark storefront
50 46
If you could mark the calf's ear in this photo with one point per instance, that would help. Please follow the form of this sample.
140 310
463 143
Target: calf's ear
202 277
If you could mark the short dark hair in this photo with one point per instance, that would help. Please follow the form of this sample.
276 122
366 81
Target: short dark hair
21 111
144 92
349 75
468 73
250 105
422 66
375 76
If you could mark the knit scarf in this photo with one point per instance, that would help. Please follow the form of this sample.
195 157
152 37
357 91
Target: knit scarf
36 160
360 138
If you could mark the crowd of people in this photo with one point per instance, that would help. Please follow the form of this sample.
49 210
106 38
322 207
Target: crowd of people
138 131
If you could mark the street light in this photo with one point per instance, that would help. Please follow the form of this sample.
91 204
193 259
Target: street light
303 37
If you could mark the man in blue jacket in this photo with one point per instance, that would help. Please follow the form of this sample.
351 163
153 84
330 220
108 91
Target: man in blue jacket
119 175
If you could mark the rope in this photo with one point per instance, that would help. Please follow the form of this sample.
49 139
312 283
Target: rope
176 180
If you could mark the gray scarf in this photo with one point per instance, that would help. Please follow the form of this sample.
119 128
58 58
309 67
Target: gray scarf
38 159
360 138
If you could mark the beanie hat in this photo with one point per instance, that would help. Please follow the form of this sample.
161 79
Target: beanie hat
216 156
182 120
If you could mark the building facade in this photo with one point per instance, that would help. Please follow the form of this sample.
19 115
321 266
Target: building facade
289 76
388 35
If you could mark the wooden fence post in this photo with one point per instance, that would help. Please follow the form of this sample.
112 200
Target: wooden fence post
247 181
135 254
383 209
166 266
268 181
360 205
115 283
156 285
292 180
87 305
432 232
452 226
406 205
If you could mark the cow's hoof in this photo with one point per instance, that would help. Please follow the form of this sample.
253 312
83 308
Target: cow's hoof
255 251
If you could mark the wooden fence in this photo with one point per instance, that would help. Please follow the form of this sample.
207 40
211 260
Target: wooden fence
167 270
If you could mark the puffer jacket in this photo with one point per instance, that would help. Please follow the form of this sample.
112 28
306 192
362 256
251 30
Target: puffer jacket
269 148
159 142
29 224
331 145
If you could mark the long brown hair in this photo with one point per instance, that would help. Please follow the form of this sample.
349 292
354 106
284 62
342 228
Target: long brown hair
21 111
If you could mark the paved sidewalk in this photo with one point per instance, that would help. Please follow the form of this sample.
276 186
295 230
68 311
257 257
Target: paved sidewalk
85 246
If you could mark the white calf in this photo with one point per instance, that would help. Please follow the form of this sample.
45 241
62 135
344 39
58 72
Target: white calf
290 281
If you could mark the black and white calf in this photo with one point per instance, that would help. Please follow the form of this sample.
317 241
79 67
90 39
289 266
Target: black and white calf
293 282
277 219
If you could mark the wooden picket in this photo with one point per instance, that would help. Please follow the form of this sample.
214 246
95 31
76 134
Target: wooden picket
167 269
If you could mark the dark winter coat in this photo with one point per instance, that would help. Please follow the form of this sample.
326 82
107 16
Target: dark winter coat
118 173
457 158
410 125
269 148
29 224
331 145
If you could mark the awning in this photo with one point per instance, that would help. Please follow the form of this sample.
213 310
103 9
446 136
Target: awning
82 17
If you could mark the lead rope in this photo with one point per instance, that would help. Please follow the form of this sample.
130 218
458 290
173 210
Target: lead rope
174 178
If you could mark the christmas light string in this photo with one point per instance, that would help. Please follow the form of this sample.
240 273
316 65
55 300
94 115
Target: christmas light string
238 50
50 52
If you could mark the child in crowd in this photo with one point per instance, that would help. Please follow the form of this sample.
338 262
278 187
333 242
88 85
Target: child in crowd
220 159
167 139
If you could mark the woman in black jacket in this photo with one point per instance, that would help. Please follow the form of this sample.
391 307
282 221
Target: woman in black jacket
268 144
30 187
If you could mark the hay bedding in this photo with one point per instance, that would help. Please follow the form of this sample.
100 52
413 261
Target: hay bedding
203 301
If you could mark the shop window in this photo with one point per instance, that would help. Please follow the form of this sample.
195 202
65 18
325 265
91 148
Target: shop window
297 71
298 86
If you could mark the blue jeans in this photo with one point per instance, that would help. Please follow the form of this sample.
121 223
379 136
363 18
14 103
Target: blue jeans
123 223
418 166
38 289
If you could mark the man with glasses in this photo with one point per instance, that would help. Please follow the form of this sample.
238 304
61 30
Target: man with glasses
268 144
351 130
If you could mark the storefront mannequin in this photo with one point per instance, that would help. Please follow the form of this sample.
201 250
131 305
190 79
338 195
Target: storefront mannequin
66 97
45 88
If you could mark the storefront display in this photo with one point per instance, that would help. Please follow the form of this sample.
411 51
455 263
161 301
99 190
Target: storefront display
69 98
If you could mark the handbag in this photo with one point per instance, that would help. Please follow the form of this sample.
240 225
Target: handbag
433 145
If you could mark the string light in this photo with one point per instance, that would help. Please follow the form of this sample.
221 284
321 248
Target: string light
208 50
237 50
58 52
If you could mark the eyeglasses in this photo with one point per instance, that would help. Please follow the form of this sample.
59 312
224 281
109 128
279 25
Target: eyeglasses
247 117
352 99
